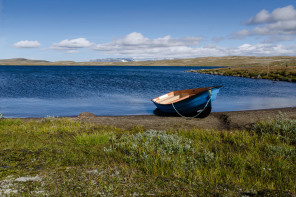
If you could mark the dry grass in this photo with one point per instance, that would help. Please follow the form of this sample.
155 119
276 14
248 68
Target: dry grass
279 72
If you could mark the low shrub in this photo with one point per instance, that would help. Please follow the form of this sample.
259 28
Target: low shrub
283 127
286 152
159 153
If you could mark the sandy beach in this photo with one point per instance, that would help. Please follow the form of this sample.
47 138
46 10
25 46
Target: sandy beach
216 120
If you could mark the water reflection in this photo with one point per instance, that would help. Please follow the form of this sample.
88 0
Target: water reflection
252 103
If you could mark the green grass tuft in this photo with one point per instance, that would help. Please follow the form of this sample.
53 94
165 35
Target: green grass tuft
92 139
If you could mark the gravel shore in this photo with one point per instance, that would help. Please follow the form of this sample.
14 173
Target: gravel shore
216 120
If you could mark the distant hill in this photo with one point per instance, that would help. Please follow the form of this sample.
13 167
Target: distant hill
113 60
202 61
221 61
21 61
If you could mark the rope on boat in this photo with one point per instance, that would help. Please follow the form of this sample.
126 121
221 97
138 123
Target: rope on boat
198 111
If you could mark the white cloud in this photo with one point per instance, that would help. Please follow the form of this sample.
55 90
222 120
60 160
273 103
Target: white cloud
262 17
137 46
277 38
135 41
287 13
284 14
279 28
242 33
72 51
134 38
263 50
282 21
71 44
27 44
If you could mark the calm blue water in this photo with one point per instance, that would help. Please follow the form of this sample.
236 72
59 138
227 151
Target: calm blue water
67 91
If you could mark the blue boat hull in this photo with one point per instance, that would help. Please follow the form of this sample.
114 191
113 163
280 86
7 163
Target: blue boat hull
192 104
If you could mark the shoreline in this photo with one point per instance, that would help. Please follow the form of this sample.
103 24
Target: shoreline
216 120
275 72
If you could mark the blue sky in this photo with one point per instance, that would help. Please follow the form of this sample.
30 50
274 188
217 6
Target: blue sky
81 30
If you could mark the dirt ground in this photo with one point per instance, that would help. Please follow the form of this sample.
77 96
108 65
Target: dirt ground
216 120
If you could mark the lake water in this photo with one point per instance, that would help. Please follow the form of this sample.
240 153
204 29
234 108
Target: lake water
40 91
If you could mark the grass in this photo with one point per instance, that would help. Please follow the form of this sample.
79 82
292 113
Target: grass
60 157
92 139
281 72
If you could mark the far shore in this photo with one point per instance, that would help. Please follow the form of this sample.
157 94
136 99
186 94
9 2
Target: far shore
201 61
216 120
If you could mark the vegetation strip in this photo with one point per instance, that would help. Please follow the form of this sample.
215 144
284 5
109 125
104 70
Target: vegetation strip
60 157
274 72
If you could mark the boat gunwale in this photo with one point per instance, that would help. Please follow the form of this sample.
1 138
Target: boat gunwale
205 89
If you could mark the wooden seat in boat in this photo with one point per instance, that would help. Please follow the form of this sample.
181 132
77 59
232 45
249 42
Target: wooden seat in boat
173 98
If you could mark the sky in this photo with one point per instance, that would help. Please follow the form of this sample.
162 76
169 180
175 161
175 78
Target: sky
81 30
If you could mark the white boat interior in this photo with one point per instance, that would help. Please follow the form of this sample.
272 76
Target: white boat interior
177 96
169 99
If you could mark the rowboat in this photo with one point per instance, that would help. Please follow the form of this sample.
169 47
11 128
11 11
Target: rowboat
195 102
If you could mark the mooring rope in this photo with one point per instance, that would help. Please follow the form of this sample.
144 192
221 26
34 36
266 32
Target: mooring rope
198 112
